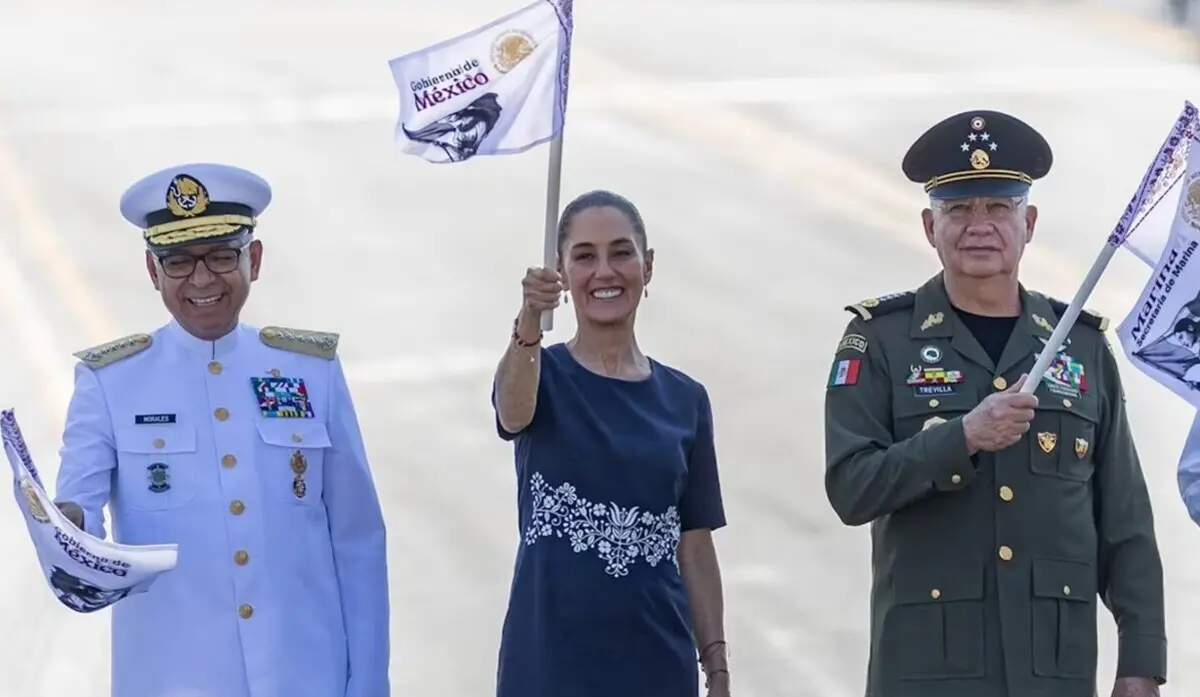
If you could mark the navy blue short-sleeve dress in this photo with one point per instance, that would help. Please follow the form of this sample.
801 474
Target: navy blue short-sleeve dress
610 473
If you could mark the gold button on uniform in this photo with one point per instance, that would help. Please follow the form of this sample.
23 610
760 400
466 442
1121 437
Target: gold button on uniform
1066 590
237 507
1005 552
246 611
159 443
221 413
241 557
955 479
935 594
214 368
934 402
1066 403
1006 493
1000 383
228 461
296 438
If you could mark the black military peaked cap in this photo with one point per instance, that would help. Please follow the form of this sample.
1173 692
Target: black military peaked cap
978 153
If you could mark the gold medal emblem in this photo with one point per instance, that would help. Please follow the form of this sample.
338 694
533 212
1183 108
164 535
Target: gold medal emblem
299 467
299 463
36 509
510 48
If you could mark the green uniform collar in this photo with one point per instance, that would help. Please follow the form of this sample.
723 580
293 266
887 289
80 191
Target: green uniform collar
934 317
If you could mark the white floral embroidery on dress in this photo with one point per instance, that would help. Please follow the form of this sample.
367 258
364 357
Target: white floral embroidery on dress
618 535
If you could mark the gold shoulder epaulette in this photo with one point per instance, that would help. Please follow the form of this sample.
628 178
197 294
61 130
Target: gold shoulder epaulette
1094 320
310 343
106 354
884 304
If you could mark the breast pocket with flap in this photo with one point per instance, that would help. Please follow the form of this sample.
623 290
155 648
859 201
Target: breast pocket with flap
912 414
1062 439
156 466
291 459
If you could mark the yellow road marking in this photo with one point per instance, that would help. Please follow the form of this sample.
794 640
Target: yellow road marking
47 253
878 202
820 175
33 336
42 255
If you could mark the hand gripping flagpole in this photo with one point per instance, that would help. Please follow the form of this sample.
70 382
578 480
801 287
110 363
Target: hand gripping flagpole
1164 172
550 243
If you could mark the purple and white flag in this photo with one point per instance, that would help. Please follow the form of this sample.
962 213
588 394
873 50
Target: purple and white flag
85 573
498 90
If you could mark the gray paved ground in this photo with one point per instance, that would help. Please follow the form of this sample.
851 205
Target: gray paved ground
762 140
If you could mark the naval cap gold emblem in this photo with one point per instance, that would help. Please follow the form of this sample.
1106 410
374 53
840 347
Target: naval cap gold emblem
186 197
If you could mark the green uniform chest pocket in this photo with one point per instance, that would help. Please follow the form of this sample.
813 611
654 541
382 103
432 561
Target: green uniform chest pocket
1062 439
912 414
935 631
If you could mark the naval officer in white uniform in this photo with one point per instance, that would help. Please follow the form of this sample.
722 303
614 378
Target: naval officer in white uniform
242 446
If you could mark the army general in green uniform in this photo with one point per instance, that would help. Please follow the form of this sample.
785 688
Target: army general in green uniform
998 520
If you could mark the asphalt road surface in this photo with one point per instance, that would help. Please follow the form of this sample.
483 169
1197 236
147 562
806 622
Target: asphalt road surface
762 140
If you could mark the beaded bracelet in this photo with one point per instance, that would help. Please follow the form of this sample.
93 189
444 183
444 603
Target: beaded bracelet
521 342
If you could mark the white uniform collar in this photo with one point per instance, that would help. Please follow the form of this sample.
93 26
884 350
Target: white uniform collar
205 349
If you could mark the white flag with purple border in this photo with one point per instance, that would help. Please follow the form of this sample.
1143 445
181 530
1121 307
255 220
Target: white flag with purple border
498 90
1153 208
1161 333
85 573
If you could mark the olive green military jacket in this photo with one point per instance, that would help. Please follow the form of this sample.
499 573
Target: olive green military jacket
986 569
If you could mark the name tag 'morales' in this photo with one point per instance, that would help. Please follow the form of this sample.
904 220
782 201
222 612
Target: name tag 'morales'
141 419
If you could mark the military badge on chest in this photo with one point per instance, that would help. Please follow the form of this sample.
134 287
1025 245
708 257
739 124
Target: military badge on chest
286 398
932 380
282 398
159 477
1065 376
299 467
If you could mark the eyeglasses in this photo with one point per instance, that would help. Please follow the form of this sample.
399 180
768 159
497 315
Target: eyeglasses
997 209
218 261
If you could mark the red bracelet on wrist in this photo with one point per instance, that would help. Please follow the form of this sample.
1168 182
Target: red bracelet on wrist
521 342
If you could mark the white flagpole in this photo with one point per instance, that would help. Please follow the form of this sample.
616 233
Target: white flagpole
1067 321
1161 166
553 189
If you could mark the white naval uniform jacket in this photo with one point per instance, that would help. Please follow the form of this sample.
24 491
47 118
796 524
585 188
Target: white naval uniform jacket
275 595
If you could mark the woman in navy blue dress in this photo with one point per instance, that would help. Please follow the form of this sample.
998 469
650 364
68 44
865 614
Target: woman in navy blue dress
616 590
